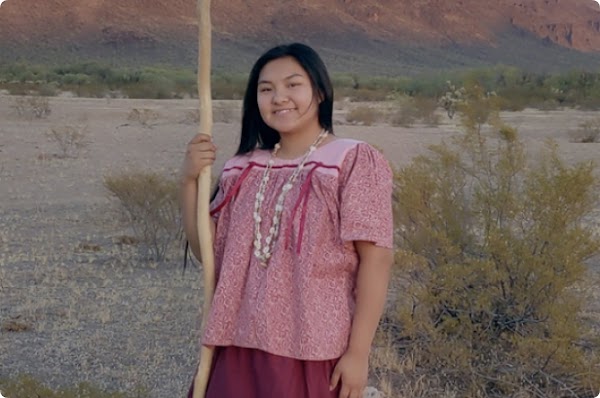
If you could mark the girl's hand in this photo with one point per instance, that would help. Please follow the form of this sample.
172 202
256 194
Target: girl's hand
352 370
200 152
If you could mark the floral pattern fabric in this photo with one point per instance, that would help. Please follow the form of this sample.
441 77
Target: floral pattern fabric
301 305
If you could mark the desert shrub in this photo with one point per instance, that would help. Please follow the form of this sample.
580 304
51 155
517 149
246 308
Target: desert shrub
26 386
20 106
69 139
362 89
546 105
410 110
78 79
405 115
150 202
367 94
33 106
365 115
39 106
157 88
588 132
227 86
344 81
48 89
490 250
143 83
144 116
426 110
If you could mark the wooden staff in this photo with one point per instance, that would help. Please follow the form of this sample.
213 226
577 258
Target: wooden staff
204 232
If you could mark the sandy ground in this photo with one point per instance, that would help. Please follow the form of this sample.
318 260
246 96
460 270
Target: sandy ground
106 315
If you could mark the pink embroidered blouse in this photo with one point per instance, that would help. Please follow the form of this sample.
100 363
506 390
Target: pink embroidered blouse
301 305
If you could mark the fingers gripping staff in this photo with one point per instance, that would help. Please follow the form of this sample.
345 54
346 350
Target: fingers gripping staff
204 233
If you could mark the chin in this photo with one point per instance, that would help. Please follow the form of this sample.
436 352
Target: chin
283 129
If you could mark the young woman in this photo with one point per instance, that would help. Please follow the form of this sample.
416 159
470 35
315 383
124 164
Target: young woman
303 240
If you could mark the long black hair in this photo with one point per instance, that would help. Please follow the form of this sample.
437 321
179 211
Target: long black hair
255 132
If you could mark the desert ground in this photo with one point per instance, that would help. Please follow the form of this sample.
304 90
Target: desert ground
83 305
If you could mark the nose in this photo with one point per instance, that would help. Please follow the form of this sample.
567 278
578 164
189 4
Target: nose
280 97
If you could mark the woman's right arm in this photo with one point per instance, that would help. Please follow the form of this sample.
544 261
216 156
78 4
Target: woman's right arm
200 153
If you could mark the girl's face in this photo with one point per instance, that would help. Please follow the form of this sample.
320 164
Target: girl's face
286 100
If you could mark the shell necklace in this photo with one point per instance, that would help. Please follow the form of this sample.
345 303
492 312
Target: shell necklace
263 253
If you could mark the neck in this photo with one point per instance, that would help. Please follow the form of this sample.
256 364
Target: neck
296 145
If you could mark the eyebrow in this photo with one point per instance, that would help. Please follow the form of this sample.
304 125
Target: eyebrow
286 78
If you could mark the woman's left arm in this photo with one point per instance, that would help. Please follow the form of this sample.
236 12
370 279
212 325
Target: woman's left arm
371 291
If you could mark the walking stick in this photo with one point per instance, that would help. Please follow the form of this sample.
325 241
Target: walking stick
204 232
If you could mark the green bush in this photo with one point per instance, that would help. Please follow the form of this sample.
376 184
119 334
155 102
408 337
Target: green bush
517 89
227 86
490 249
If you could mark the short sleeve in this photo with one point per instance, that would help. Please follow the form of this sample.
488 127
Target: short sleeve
366 197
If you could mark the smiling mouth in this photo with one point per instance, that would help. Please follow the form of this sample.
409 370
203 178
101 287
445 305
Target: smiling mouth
283 111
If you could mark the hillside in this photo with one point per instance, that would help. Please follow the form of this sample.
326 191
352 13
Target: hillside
379 36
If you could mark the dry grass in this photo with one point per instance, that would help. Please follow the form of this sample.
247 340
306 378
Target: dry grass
588 132
145 117
16 324
402 111
364 115
70 140
410 111
33 106
27 386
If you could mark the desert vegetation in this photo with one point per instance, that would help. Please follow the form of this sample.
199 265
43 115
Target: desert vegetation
69 139
32 106
146 117
518 89
149 200
491 252
587 132
497 229
26 386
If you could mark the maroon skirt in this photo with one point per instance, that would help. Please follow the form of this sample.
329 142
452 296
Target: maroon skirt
248 373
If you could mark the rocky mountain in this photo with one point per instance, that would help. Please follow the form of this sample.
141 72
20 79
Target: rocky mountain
375 35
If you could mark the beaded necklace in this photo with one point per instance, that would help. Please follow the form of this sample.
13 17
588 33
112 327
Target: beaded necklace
263 253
